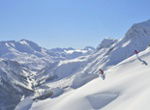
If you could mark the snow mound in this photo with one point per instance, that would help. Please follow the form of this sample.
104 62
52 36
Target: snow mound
99 100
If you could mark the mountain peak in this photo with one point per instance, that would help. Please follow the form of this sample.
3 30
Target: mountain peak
24 42
89 48
105 43
139 30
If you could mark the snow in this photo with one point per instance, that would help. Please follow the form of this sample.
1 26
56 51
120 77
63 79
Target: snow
126 43
7 45
24 42
70 61
12 44
113 52
34 56
72 51
106 43
68 79
122 87
56 92
24 64
25 104
126 88
13 83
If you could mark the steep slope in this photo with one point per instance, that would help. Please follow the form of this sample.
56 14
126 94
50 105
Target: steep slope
137 38
94 62
14 83
109 52
79 71
125 88
67 69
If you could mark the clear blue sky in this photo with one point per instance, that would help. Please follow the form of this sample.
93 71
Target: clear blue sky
69 23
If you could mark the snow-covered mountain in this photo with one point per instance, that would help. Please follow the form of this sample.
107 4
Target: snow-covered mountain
111 56
109 52
36 57
77 66
137 38
106 43
25 52
14 83
63 69
70 53
23 64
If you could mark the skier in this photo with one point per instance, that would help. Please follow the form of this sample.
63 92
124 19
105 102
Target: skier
136 52
102 73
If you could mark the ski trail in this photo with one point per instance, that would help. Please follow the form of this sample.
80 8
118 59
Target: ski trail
143 61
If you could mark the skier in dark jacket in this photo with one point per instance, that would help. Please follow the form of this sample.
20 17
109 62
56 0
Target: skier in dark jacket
136 52
101 72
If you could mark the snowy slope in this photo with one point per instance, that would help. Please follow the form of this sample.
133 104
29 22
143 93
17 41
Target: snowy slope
80 67
73 73
125 88
59 75
137 38
14 83
111 52
79 71
94 62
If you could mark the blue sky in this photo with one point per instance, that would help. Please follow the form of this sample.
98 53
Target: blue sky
69 23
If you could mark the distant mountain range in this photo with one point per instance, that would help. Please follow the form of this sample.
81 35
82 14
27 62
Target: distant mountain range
20 61
36 57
